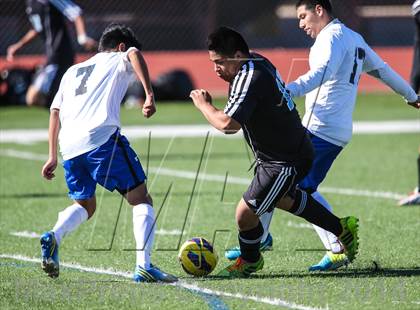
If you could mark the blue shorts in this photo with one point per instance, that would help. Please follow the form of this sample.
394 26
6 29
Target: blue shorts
114 165
325 154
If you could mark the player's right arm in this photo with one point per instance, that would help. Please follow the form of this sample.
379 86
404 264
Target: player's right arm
327 54
53 130
54 127
12 49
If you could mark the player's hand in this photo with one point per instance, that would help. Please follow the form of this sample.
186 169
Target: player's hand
11 51
415 104
48 168
200 96
149 107
90 45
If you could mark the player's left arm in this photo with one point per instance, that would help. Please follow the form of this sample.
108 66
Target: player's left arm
217 118
377 68
140 68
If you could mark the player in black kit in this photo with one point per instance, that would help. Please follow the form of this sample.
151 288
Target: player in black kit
48 20
260 105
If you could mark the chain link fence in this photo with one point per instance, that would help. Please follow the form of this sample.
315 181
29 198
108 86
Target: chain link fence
184 24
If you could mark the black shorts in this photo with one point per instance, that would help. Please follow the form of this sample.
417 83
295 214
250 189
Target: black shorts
272 181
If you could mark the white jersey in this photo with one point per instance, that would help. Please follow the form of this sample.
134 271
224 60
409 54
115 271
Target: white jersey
337 59
89 100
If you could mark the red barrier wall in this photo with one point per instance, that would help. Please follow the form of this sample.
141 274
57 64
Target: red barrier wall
290 63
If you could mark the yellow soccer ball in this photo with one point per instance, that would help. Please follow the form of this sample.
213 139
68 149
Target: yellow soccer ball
197 257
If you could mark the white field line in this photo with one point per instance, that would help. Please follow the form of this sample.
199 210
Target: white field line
28 136
34 235
182 284
25 234
299 225
218 178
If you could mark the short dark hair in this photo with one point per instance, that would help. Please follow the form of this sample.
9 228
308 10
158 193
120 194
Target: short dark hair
311 4
115 34
226 41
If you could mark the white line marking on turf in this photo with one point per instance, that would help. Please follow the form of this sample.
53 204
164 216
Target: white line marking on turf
25 234
299 225
28 136
174 232
34 235
218 178
188 286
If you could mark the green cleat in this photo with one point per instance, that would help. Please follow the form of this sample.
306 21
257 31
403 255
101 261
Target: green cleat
241 268
349 237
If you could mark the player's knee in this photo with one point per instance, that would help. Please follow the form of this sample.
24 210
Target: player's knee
89 205
138 196
285 203
35 98
246 219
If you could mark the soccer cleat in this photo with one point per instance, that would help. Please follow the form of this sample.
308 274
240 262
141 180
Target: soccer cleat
330 261
235 252
49 252
241 268
411 200
349 237
153 274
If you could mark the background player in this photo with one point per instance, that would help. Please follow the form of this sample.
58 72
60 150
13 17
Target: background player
414 197
337 58
48 20
87 106
259 104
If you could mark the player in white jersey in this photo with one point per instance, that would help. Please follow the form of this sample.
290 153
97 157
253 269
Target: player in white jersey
337 59
87 107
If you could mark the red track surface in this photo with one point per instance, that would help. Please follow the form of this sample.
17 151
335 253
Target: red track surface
290 63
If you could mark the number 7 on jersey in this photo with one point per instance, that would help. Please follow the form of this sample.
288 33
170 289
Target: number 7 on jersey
86 72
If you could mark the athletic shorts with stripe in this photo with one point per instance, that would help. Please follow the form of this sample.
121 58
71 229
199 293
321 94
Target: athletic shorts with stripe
272 181
114 165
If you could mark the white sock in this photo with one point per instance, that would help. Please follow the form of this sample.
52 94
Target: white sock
144 232
265 220
329 240
68 220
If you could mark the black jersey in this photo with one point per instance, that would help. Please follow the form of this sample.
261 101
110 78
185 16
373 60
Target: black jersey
270 122
50 23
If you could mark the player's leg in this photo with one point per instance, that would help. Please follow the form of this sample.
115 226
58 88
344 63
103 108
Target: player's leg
266 239
45 85
123 171
37 94
413 198
249 236
325 154
301 204
82 190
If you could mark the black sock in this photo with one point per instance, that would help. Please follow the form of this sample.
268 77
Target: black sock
249 242
307 207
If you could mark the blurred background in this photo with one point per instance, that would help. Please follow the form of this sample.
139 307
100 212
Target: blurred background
184 24
173 32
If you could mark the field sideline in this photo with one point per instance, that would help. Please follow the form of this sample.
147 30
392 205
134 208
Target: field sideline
195 181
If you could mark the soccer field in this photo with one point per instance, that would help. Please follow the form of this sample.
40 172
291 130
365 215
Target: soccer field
196 181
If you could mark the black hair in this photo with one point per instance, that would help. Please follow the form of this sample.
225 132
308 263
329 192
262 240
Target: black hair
311 4
226 41
115 34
